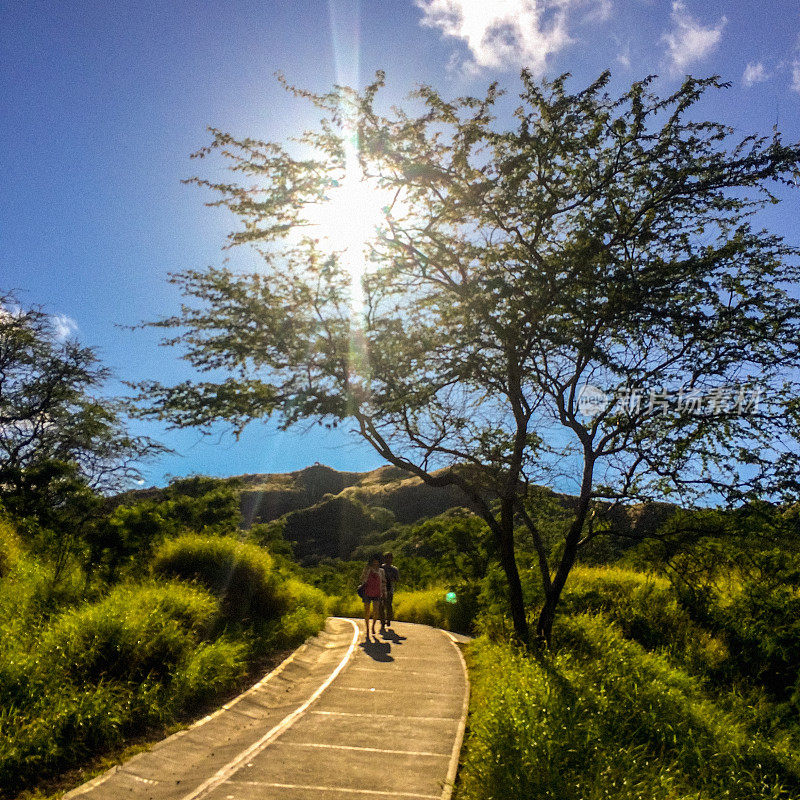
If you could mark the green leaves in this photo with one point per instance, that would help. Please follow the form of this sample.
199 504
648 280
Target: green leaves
52 410
596 240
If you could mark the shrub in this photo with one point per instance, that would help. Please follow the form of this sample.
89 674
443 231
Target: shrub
298 594
15 666
348 605
425 606
462 614
602 718
240 574
9 546
105 671
77 683
134 633
308 608
209 670
293 629
63 726
762 624
649 611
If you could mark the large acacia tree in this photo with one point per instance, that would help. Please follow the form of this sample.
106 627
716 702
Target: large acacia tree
598 240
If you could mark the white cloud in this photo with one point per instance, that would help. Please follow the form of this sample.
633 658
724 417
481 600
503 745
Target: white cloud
796 76
63 326
689 41
624 57
601 12
754 73
502 34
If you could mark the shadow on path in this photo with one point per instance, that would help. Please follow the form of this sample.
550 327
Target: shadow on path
378 651
392 636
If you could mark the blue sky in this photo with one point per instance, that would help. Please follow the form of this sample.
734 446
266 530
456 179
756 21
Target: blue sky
102 103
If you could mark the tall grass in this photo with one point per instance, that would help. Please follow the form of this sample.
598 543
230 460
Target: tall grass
94 674
647 610
78 681
240 574
135 633
9 546
603 718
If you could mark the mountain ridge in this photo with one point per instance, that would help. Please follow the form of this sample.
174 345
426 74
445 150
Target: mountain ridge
328 513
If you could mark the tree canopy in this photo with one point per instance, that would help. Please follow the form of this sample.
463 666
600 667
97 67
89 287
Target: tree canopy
52 408
600 248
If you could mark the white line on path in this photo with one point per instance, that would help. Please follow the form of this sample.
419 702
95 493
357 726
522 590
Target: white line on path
389 716
236 763
365 749
404 691
372 792
391 663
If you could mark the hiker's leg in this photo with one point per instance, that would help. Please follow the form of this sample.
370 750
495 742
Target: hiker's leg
374 615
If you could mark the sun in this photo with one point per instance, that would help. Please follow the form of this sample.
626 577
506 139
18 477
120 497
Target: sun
348 219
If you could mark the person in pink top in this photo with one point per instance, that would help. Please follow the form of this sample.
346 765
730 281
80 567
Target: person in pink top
373 580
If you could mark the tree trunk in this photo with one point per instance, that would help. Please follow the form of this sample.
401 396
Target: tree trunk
508 560
544 625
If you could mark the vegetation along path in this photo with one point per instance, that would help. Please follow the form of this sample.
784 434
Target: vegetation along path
340 718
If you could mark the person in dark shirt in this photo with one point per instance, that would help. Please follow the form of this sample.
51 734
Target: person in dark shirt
392 576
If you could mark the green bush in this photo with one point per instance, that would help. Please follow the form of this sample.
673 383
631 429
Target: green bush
134 633
424 606
748 600
209 670
78 684
462 615
240 574
297 593
308 609
293 629
602 718
762 626
649 611
62 726
80 677
9 546
348 605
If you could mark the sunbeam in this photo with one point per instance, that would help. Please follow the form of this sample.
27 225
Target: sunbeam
347 220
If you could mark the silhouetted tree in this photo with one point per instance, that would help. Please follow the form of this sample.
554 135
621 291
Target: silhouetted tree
601 240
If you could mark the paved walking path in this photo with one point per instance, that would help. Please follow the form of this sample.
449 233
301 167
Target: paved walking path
340 719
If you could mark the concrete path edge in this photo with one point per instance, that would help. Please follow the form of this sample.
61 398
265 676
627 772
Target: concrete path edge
458 742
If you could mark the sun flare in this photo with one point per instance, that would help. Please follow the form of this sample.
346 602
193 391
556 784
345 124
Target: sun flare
347 220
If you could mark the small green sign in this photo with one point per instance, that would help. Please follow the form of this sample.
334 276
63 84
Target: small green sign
450 597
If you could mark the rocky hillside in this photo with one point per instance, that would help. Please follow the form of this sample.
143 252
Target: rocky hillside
326 513
268 497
